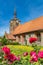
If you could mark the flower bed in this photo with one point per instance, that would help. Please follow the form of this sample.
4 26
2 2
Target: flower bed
22 55
19 49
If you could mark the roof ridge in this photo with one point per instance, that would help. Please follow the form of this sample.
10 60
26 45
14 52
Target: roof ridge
34 19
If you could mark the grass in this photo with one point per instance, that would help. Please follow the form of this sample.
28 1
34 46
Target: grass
19 49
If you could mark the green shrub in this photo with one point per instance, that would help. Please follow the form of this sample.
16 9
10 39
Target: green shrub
4 41
16 43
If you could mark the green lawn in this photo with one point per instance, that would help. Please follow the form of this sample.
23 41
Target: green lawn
19 49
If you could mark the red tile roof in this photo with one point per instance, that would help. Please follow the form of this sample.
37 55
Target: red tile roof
9 36
33 25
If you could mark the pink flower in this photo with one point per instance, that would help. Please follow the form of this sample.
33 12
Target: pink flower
12 57
32 39
18 58
40 54
32 53
25 54
6 50
34 56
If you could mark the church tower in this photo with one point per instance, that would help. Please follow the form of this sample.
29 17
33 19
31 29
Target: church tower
14 22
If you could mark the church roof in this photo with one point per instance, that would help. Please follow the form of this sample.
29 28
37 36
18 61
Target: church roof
9 36
33 25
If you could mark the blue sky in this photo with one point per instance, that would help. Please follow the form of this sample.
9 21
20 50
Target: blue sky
26 10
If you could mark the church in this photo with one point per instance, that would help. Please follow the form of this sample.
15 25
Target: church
22 32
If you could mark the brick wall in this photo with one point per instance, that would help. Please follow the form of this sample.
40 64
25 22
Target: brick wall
22 40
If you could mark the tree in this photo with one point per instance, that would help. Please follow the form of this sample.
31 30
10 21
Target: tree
4 40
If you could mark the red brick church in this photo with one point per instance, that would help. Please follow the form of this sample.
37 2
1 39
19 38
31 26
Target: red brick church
22 32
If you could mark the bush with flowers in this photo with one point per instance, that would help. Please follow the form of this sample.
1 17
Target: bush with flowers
33 57
36 56
8 58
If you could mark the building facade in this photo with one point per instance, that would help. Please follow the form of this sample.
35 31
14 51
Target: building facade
22 32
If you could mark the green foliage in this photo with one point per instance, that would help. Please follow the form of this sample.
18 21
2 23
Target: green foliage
1 56
35 63
19 50
16 43
9 42
23 61
4 41
36 47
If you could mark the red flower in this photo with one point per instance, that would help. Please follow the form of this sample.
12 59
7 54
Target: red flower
32 53
31 40
25 54
6 50
40 54
34 56
12 57
5 57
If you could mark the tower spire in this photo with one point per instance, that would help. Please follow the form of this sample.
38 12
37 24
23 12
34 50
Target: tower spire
15 13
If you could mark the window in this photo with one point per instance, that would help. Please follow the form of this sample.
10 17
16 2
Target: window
39 37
